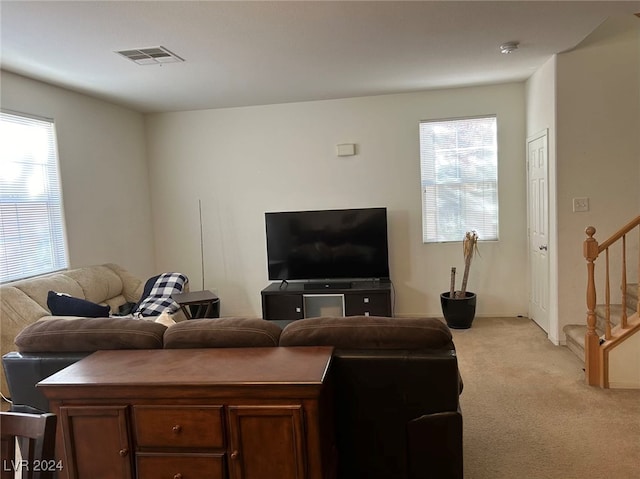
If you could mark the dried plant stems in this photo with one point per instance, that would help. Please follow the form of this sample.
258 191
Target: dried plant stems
469 246
452 288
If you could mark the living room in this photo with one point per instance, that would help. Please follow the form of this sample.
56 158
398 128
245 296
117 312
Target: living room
135 201
133 181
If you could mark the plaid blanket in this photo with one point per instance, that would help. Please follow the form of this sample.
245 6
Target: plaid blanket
159 299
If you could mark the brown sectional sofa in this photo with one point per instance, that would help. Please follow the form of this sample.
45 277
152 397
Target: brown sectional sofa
395 380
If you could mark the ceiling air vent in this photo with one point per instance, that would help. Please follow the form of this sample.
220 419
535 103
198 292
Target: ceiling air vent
150 56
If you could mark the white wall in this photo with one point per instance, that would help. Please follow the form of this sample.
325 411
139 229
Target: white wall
103 172
242 162
541 115
624 364
598 151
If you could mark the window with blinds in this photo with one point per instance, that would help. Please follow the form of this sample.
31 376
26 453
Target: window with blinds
32 235
459 174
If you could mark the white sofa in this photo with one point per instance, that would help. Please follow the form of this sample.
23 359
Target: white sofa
25 302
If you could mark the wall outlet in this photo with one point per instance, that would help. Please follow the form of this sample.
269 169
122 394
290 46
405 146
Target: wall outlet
580 205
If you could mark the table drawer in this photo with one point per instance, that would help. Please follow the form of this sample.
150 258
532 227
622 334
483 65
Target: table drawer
179 426
184 466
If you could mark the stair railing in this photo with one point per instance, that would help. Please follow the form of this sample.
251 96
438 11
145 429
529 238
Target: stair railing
595 350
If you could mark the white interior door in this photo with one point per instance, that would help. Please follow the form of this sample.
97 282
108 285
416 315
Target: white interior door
538 219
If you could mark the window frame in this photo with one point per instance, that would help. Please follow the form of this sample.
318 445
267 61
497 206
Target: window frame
467 192
32 223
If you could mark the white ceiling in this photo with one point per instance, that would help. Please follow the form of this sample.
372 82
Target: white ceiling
251 53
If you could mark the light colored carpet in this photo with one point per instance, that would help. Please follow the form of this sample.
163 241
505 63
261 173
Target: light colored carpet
529 415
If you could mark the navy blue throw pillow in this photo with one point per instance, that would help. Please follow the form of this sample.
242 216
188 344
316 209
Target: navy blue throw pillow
61 304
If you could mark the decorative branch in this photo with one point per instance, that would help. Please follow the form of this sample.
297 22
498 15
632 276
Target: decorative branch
452 288
469 246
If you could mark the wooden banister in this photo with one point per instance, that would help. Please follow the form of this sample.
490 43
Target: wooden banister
596 351
617 235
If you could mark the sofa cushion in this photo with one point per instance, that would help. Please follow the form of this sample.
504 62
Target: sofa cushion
99 283
61 304
89 334
222 333
38 288
368 332
131 284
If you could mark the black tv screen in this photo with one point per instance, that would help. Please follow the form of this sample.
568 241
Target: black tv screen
327 244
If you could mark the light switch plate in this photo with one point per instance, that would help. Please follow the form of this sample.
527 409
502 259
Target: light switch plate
580 205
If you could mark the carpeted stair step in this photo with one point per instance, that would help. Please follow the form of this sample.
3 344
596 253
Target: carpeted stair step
632 296
616 314
575 338
575 332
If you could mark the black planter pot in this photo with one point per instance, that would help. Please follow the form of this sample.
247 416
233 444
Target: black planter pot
458 312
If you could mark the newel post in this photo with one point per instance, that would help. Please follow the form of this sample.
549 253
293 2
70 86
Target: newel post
591 340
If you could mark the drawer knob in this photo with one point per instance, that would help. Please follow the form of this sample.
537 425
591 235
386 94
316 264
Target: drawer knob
235 454
177 476
177 428
123 452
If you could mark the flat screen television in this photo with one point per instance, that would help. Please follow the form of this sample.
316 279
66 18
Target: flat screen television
327 244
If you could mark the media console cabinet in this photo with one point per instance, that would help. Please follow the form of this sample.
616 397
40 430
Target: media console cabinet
291 301
244 413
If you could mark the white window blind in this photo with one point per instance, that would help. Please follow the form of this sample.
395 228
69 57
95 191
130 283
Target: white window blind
32 236
459 170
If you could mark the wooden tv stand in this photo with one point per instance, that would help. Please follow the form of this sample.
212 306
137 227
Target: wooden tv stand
286 301
245 413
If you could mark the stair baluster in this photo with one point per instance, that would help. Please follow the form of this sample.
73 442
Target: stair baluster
623 318
607 299
591 340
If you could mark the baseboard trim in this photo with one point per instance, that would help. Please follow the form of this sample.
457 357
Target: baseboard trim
439 316
623 385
